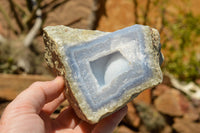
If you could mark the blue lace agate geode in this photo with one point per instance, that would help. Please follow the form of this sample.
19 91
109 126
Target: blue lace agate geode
104 71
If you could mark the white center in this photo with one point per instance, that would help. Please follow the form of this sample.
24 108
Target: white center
115 66
108 68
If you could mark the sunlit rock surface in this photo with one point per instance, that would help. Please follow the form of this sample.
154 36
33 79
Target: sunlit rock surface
103 71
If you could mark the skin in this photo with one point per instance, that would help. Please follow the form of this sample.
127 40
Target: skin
30 112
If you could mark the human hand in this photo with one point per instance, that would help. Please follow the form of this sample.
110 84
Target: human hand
30 112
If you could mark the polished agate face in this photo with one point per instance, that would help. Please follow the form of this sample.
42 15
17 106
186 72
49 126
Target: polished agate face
109 69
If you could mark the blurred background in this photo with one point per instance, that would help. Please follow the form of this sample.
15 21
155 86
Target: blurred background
171 107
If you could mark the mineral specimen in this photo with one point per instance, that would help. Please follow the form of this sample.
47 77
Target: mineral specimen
103 71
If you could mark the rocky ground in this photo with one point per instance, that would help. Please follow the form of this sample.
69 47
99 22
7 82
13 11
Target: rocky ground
162 109
169 111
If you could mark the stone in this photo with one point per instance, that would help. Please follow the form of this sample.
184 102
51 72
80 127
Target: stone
185 126
123 129
103 71
168 103
63 13
160 89
150 117
132 118
11 85
197 81
167 129
143 129
192 114
144 97
174 103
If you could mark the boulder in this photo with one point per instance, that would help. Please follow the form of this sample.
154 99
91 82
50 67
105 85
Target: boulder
172 103
132 118
185 126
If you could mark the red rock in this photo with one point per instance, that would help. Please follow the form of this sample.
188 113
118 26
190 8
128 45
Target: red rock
192 114
123 129
185 126
73 13
173 103
197 81
122 11
12 85
132 117
167 129
160 89
144 97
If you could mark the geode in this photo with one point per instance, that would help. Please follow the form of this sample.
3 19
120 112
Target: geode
103 71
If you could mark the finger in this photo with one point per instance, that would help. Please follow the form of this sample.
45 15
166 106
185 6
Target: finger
108 124
50 107
66 119
34 98
84 127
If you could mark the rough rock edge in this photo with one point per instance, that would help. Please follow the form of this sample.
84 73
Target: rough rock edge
53 57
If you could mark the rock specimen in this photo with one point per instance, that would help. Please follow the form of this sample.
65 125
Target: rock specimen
103 71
